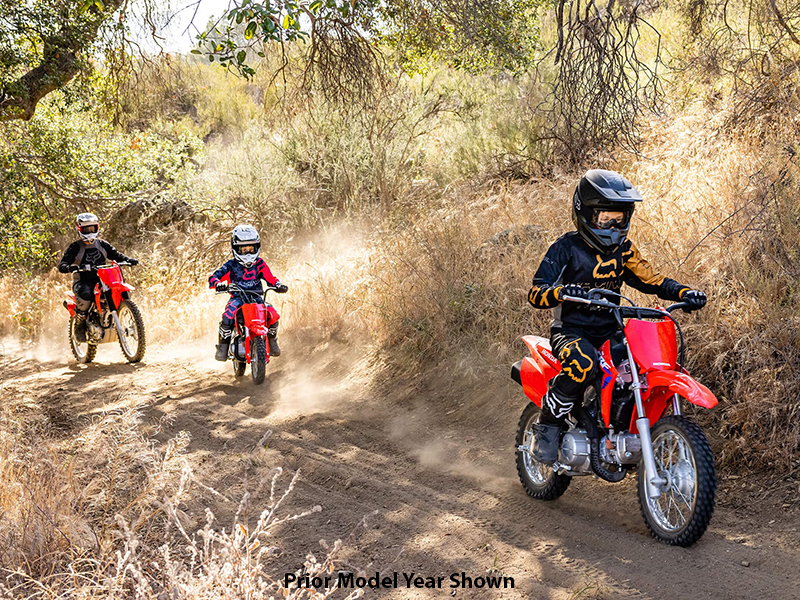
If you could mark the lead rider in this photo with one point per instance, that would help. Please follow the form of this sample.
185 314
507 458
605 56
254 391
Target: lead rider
246 269
597 255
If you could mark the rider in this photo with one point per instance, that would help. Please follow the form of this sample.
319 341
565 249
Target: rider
597 255
81 256
245 270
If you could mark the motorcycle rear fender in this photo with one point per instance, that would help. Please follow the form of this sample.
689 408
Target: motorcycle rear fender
69 304
536 371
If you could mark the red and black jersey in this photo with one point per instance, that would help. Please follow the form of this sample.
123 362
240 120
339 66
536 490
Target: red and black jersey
248 278
570 260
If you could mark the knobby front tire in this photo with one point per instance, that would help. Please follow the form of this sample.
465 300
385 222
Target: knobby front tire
258 359
539 480
133 343
680 516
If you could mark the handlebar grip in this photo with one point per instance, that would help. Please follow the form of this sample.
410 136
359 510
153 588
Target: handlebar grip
575 299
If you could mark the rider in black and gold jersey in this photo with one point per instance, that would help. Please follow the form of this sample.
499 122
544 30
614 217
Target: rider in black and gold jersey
597 255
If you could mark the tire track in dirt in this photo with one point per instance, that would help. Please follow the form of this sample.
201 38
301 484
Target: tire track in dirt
417 478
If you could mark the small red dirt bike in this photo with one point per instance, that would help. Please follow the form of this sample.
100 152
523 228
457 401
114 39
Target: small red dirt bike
112 316
624 424
249 340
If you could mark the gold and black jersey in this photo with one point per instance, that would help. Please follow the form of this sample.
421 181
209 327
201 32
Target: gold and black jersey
570 260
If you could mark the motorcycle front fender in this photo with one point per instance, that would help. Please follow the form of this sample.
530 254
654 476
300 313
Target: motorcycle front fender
683 385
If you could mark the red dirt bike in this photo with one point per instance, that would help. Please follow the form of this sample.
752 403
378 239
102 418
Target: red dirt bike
249 341
623 423
112 316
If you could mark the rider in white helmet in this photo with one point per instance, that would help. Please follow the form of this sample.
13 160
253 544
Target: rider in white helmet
246 269
83 254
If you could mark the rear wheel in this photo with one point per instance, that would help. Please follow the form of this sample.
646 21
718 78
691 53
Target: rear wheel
681 514
258 359
131 338
538 479
238 367
82 351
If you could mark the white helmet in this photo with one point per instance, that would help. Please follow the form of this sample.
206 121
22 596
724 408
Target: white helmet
245 244
88 226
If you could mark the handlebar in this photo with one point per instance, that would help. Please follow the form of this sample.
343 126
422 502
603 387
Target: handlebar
233 288
79 269
638 312
635 312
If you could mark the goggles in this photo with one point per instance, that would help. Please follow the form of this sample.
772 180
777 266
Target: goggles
610 219
86 229
248 249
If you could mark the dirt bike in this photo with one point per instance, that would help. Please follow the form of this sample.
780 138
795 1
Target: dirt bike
623 423
249 341
112 316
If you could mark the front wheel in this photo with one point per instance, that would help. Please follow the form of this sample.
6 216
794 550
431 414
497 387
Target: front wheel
681 514
131 336
258 359
82 351
538 479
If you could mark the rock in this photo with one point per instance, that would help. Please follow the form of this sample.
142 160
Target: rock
745 563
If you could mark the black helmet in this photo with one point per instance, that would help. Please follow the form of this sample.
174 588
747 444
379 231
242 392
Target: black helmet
600 191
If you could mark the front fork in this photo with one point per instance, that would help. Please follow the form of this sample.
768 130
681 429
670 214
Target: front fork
654 481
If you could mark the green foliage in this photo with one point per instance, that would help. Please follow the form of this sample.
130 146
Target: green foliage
477 36
68 161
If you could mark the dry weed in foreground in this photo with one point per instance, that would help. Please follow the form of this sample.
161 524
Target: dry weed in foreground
99 515
213 563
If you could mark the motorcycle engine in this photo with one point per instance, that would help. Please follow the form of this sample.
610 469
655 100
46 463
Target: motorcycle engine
574 451
94 331
238 349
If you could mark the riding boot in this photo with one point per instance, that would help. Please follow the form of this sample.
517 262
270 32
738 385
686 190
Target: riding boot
547 432
545 443
224 344
272 338
80 325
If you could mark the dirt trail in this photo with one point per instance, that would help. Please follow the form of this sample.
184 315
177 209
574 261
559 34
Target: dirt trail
429 468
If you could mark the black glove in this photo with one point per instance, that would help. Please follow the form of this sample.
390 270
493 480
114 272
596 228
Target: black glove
133 262
221 286
281 288
574 291
695 299
73 268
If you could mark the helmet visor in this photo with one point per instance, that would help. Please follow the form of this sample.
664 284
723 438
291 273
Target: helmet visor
87 229
611 219
247 248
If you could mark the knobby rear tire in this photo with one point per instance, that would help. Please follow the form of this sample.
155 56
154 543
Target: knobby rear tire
138 323
258 359
552 485
705 482
83 356
238 367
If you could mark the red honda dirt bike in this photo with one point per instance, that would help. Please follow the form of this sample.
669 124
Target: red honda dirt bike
249 341
112 316
624 424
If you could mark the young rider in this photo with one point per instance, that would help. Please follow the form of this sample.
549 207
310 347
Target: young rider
597 255
79 258
246 270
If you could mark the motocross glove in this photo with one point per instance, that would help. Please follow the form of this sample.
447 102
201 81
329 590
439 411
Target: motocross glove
695 299
133 261
281 288
73 268
573 291
221 286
